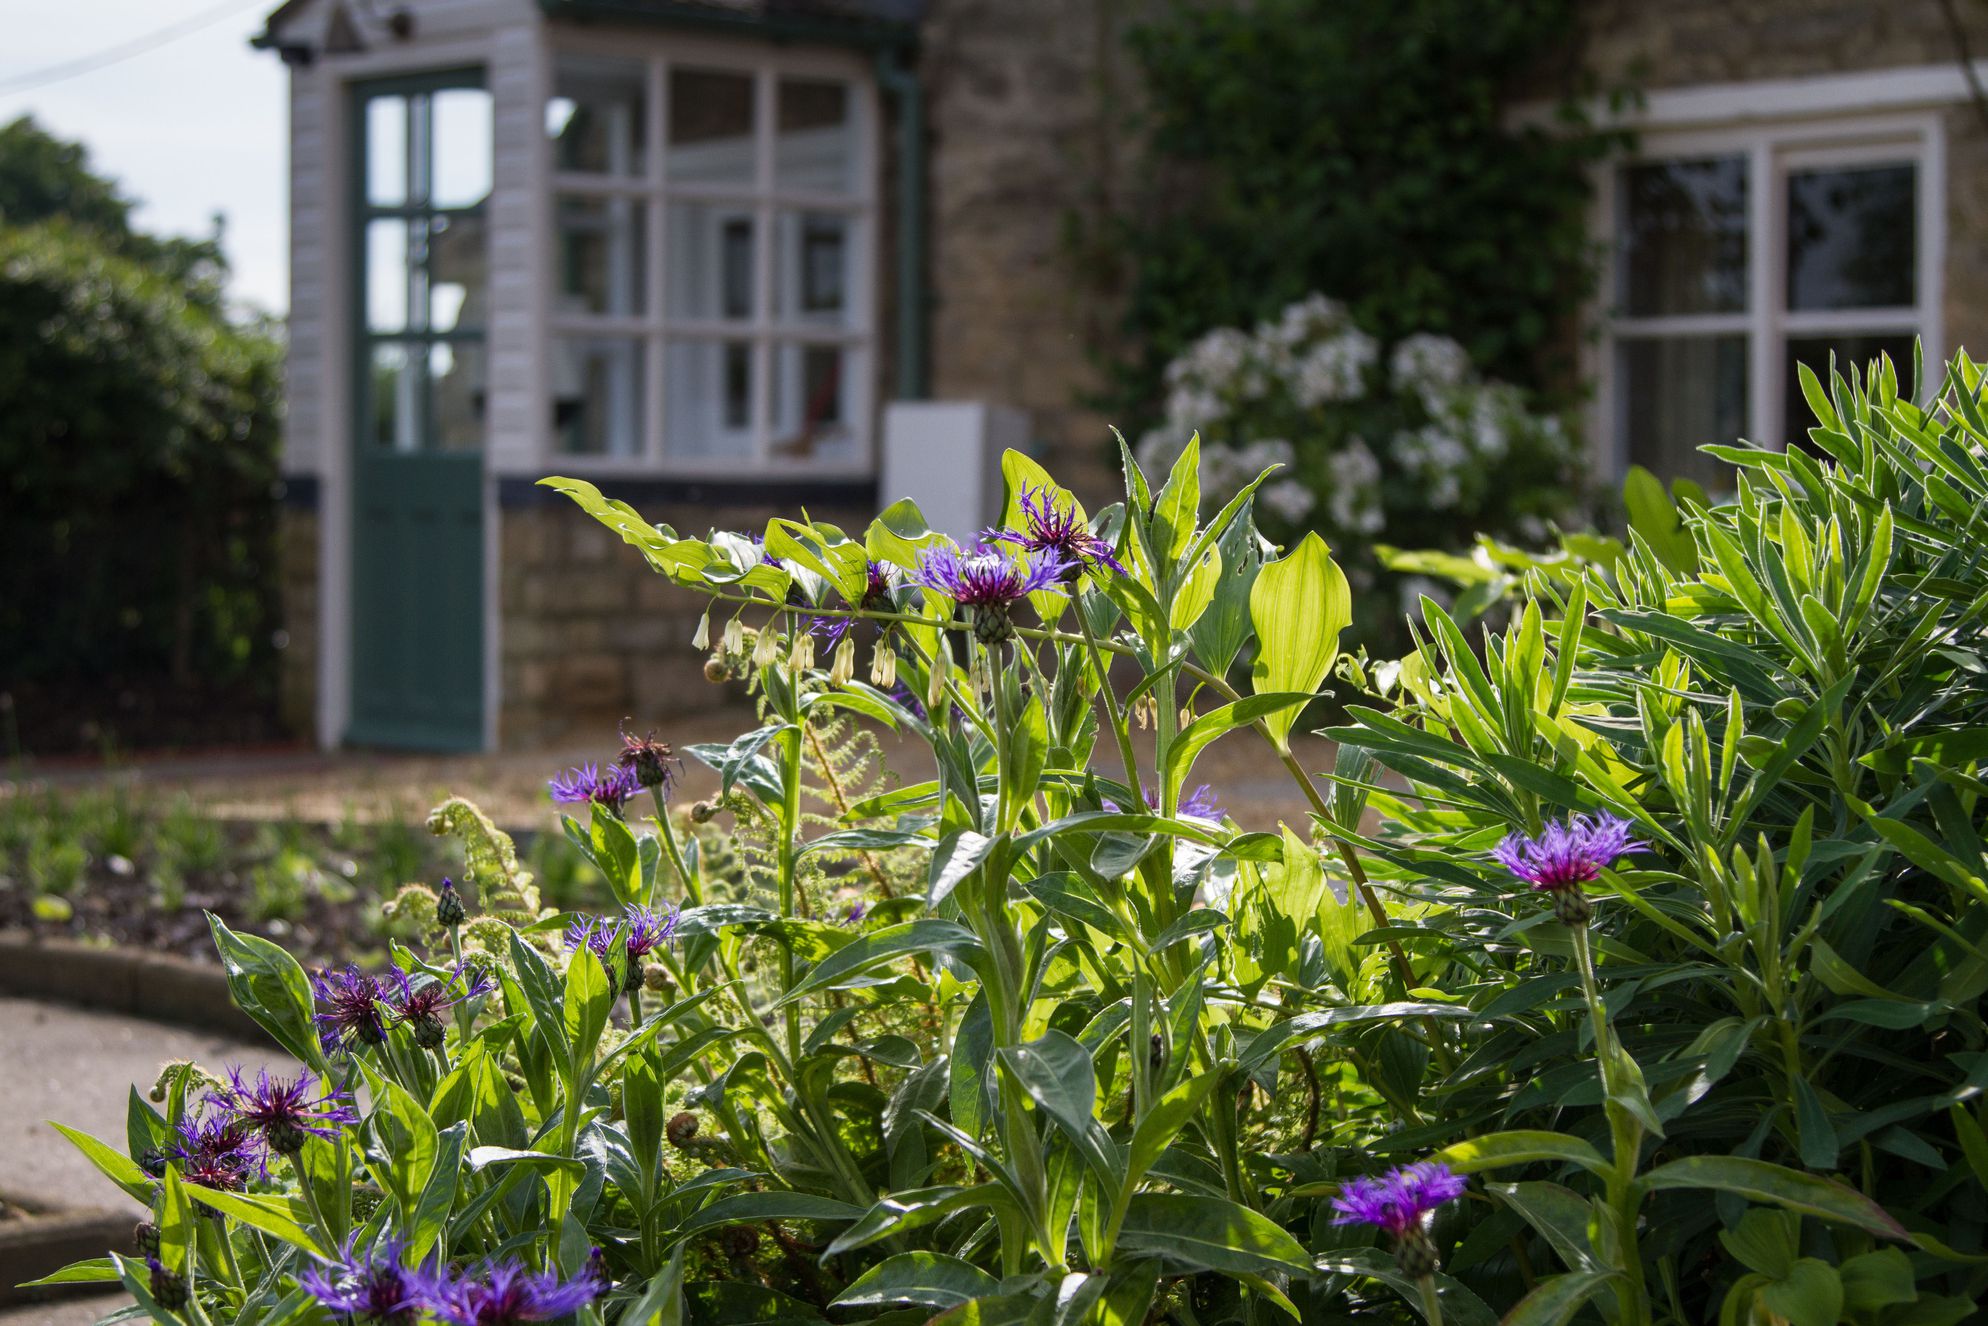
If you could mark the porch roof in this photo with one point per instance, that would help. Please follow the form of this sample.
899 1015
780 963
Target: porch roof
839 22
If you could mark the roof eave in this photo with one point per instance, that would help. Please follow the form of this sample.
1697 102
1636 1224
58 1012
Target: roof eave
868 34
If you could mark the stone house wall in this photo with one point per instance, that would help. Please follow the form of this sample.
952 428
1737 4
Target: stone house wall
1679 43
589 633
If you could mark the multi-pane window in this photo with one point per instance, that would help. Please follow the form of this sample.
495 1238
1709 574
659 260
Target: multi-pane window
713 228
424 268
1739 256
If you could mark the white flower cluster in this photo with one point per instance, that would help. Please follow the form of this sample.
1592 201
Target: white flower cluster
1313 359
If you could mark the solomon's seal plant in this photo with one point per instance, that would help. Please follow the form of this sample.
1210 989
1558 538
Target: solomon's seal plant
1033 1030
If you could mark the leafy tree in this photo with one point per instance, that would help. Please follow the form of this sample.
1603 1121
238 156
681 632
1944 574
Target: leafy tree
43 177
138 449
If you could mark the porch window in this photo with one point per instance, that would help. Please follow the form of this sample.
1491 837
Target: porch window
1740 254
713 231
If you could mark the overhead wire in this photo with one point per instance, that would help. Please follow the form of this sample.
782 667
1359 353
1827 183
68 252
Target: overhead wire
35 79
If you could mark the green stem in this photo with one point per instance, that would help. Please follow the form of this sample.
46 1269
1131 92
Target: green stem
1626 1136
1432 1307
1119 728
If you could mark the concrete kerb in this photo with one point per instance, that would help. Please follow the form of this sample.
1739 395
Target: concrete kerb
43 1242
155 986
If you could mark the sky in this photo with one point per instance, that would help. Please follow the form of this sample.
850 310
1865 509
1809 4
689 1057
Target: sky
189 127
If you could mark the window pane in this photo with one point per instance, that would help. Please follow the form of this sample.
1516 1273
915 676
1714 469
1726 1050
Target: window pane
395 400
707 399
815 148
386 151
598 116
811 251
810 391
1853 238
1679 393
394 267
461 151
603 256
457 268
597 395
1683 237
1857 351
711 260
456 387
711 128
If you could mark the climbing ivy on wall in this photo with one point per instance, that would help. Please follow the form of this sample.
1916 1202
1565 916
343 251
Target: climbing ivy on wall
1363 149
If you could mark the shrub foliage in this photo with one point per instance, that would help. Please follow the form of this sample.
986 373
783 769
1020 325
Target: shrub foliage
1092 1051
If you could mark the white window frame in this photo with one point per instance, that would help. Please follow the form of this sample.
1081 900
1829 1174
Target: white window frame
1771 148
654 328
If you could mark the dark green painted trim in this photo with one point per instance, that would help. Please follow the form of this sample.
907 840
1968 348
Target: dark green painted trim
867 34
898 77
361 730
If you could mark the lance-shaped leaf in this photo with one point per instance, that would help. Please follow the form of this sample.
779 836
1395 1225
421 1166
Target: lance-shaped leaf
1761 1181
1299 605
928 1279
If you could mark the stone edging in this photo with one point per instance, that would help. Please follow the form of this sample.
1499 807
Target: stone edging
44 1243
154 986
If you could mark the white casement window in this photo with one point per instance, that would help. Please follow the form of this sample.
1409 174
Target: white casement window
1738 254
713 238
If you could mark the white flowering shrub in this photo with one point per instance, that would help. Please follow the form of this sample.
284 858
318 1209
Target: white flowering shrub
1405 446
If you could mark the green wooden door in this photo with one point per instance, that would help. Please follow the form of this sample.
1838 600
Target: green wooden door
421 176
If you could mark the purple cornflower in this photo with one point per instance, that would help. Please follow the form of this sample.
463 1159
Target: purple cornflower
589 784
1567 856
283 1111
854 913
1400 1202
373 1287
987 582
349 1012
502 1293
642 931
876 596
421 1006
1058 529
216 1151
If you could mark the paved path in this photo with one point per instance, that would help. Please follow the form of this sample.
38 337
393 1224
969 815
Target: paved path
64 1311
77 1067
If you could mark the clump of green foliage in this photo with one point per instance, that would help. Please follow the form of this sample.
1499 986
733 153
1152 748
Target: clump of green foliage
1725 1060
138 455
1363 149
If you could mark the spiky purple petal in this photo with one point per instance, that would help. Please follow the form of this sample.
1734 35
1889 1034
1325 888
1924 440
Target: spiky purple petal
1569 855
1400 1200
1058 529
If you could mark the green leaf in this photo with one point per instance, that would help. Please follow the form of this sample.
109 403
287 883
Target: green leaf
542 993
95 1270
927 1279
1177 510
267 984
1208 1234
1196 736
617 856
926 935
1558 1214
1272 1040
408 1137
438 1194
275 1214
113 1165
748 1207
1057 1074
958 855
1557 1298
1810 1296
1163 1122
1520 1147
913 1208
1299 605
588 1000
1875 1280
1760 1181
